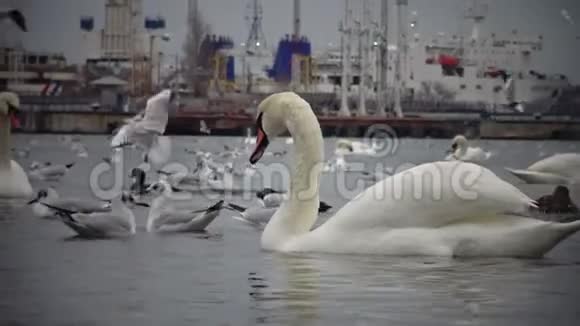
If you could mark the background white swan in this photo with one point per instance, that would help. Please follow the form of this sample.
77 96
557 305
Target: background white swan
13 180
461 151
463 211
556 169
51 197
145 130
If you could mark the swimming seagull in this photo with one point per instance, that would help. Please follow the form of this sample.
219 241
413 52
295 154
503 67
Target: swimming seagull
183 221
260 216
270 197
15 16
144 131
50 196
171 212
49 172
119 222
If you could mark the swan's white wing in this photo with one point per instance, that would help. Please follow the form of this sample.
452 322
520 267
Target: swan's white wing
560 164
475 155
534 177
431 195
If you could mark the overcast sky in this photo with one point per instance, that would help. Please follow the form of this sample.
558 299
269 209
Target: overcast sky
54 24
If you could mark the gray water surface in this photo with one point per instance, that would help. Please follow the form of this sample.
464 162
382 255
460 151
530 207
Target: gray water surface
221 277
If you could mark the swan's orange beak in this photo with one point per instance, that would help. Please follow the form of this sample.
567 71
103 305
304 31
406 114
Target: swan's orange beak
261 142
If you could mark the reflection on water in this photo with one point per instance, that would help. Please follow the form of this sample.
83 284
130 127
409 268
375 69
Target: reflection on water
223 278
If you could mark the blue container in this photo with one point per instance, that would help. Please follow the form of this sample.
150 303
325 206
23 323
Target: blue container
230 69
87 23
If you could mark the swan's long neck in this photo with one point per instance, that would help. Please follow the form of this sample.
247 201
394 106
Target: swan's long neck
297 215
4 141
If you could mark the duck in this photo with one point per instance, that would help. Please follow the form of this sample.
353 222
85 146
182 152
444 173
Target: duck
50 196
558 169
468 212
559 202
118 222
461 151
14 183
174 212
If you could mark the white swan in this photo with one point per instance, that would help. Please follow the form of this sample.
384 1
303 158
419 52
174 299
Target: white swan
13 180
461 151
145 130
50 196
390 218
119 222
557 169
171 212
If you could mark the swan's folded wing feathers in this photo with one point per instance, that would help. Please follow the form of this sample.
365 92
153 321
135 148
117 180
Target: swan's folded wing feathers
431 195
567 164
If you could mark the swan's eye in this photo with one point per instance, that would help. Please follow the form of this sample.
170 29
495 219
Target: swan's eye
454 146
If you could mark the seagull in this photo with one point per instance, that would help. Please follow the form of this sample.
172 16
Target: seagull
48 172
172 212
79 149
203 128
15 16
138 186
144 130
50 196
260 216
119 222
270 197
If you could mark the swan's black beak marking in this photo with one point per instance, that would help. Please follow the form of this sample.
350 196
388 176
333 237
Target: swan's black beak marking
262 142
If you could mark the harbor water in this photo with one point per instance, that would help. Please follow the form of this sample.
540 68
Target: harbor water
222 277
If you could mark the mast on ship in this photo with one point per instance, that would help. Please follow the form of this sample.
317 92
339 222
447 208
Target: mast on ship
364 33
382 60
346 31
401 55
